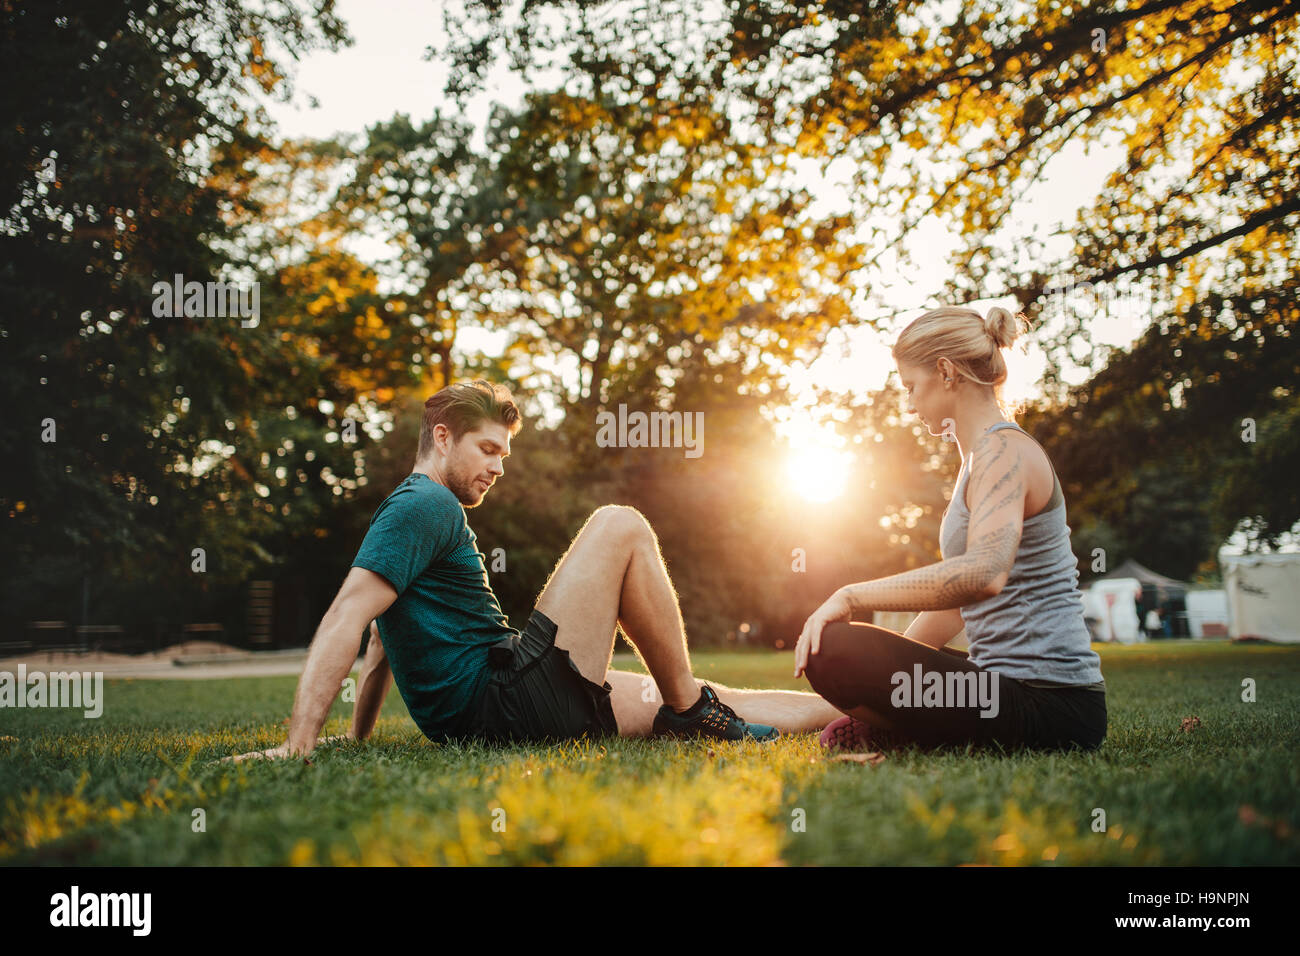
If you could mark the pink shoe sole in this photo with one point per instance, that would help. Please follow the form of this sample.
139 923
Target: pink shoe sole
846 733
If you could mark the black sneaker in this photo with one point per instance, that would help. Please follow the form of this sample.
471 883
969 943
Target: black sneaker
709 717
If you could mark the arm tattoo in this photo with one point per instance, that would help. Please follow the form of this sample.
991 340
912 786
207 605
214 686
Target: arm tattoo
962 579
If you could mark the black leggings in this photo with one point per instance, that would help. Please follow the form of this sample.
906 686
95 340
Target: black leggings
858 666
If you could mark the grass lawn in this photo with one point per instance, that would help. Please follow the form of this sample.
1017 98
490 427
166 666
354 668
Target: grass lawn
123 789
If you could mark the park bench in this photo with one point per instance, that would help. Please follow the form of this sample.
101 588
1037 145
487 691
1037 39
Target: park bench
206 631
48 636
95 636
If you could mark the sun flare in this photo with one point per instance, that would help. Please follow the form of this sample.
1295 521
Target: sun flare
817 472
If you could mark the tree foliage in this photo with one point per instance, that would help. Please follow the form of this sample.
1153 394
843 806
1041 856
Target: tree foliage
953 115
640 229
125 125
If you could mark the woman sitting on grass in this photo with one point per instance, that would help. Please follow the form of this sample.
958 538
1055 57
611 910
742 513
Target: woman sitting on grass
1007 574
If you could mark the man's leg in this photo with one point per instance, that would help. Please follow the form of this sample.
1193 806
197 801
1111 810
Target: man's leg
614 574
789 711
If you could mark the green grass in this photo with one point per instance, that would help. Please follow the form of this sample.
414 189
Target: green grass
122 789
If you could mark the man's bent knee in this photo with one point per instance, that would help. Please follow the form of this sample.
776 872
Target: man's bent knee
620 521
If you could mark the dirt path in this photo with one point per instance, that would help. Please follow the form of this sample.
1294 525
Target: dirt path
193 660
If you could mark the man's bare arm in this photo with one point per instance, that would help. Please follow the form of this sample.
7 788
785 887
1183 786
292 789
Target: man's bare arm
363 596
376 679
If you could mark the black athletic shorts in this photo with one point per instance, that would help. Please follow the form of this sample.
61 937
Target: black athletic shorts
535 693
856 666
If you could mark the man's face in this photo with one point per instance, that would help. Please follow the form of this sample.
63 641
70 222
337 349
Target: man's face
476 461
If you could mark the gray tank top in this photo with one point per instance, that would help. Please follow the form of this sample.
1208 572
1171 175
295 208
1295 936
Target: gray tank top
1033 630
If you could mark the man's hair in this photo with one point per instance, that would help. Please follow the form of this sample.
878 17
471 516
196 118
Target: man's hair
464 407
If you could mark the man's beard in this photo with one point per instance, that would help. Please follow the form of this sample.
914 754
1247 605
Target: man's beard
464 487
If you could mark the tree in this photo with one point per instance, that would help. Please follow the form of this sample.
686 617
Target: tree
952 115
113 170
1178 440
607 235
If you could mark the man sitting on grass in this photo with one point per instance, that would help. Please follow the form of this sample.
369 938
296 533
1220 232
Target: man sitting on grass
436 628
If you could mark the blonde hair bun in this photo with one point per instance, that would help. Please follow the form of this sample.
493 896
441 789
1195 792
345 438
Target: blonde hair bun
972 342
1003 326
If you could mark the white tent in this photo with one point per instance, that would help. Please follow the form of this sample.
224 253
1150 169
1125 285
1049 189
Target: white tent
1112 606
1207 613
1263 595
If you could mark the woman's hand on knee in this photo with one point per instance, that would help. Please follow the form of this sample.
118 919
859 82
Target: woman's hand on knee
836 608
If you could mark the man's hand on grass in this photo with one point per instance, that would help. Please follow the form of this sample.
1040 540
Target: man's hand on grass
282 750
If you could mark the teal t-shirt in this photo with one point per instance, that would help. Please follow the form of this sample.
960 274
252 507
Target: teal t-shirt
436 634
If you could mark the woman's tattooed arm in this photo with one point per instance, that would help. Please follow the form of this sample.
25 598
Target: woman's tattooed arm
997 495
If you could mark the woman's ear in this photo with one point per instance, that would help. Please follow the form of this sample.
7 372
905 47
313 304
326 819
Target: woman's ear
947 372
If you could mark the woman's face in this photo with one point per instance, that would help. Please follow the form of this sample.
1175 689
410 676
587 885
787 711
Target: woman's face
926 396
